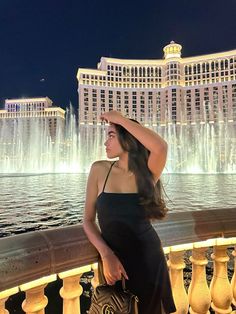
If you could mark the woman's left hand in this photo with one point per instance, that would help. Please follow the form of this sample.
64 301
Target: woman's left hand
112 117
113 269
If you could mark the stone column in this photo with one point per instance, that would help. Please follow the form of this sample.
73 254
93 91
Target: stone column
176 265
4 295
71 290
199 294
220 287
35 301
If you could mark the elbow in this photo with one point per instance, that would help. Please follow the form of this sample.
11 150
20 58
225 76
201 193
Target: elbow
162 148
86 224
164 145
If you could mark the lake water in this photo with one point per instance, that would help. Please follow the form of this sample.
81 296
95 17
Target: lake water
43 201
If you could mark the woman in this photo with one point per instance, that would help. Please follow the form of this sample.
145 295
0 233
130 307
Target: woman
125 194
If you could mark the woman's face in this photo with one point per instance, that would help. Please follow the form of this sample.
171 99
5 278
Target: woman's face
113 147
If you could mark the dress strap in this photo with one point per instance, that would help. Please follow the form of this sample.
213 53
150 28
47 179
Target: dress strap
108 176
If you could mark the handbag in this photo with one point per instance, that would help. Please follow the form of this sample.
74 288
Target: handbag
108 299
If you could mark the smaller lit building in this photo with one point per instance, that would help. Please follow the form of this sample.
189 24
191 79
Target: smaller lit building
25 111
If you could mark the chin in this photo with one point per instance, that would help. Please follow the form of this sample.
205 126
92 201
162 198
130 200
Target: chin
111 156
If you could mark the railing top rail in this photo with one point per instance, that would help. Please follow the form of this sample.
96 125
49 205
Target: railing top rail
32 255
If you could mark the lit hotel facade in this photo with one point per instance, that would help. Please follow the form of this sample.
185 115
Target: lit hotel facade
38 109
174 90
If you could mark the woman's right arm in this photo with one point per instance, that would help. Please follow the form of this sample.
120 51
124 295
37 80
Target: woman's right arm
111 264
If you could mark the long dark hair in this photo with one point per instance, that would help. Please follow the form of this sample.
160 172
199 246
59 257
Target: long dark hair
151 194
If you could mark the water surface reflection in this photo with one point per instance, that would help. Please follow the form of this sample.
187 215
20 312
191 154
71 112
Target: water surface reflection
43 201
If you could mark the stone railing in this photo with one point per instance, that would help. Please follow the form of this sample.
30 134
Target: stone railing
28 262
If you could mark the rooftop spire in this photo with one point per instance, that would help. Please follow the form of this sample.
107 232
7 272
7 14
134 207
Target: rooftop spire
172 50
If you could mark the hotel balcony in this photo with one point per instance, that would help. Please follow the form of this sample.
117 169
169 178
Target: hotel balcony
193 242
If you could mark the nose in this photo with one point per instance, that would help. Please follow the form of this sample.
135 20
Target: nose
105 143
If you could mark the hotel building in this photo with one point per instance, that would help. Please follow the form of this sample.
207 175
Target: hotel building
173 90
29 109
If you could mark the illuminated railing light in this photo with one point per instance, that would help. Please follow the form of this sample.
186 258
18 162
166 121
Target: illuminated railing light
6 293
38 282
181 247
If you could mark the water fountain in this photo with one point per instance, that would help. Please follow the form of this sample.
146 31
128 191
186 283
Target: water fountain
57 198
198 148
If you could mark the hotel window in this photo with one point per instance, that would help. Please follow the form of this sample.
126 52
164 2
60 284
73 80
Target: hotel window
224 100
215 103
94 92
198 68
124 71
188 105
126 97
197 102
207 110
234 101
128 71
186 70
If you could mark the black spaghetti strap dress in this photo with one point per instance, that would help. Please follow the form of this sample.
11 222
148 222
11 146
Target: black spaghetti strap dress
131 236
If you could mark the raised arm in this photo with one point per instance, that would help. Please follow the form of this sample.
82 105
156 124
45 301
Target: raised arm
151 140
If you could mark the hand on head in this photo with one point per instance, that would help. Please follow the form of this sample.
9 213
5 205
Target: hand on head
112 117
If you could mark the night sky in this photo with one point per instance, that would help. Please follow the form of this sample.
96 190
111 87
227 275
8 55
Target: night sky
43 43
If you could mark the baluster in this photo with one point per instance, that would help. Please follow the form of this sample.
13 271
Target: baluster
35 301
2 306
199 294
176 265
220 287
233 281
71 290
4 295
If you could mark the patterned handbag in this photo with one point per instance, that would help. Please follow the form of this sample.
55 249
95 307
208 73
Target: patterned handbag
112 299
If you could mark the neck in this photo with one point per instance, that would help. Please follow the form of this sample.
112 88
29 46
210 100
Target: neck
122 163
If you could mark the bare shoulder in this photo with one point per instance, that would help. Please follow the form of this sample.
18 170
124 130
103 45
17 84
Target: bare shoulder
98 173
101 166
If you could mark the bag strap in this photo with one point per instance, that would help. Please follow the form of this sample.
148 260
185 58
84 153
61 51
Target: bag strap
101 277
